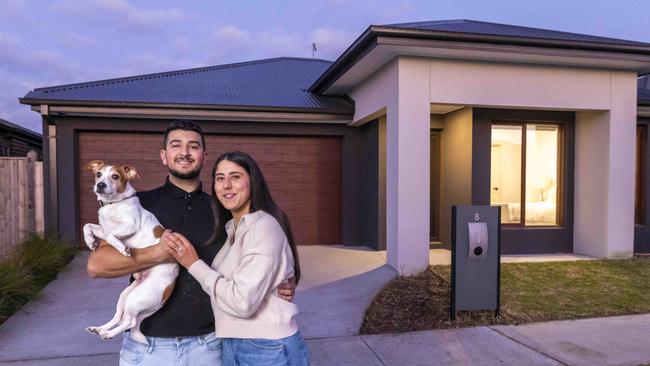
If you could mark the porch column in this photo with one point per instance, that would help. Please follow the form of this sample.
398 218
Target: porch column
407 169
605 174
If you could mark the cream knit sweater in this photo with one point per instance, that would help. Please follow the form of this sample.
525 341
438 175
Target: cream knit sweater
243 279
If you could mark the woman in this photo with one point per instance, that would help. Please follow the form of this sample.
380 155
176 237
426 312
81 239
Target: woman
259 254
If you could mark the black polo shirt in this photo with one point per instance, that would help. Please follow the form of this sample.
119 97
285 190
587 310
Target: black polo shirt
188 311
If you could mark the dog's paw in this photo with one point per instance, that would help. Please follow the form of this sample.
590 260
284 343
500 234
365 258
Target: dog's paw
105 335
126 252
92 330
90 240
91 245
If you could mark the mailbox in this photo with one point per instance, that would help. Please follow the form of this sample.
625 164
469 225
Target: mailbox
478 240
475 266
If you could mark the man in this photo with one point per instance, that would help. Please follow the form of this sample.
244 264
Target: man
182 331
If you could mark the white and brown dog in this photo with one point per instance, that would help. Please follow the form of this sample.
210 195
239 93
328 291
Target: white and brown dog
125 225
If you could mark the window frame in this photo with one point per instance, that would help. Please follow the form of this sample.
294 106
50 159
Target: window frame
561 169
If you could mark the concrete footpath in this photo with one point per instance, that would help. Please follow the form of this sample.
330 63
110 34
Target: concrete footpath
338 285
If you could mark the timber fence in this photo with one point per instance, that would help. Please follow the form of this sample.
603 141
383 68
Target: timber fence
21 200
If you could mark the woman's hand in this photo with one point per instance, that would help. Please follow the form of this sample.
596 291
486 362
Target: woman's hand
180 248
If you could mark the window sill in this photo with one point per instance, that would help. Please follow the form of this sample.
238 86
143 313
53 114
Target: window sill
519 227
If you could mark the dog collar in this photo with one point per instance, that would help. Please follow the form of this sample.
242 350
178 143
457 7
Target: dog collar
102 203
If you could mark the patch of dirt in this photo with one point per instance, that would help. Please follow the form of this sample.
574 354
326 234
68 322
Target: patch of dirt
420 302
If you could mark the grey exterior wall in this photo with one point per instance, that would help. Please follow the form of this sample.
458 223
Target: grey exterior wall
358 168
528 240
642 232
360 185
456 168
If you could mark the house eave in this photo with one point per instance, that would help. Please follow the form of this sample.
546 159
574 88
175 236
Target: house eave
169 112
377 37
259 108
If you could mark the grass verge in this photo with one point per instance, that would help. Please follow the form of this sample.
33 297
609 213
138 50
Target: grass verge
530 292
31 265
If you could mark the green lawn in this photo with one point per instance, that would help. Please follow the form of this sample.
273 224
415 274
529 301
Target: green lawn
529 292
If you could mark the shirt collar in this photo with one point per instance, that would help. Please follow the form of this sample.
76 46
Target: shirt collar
246 220
177 192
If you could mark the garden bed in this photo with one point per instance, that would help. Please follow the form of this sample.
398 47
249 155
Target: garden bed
530 292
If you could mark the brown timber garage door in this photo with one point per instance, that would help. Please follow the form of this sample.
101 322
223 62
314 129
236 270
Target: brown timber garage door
303 174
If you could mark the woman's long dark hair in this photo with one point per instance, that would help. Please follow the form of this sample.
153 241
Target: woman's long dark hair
260 200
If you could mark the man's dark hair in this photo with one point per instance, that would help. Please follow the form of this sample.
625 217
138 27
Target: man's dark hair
185 125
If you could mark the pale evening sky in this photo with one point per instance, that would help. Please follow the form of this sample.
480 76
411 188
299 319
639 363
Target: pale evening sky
47 43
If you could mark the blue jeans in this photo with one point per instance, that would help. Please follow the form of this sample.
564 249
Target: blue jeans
288 351
202 350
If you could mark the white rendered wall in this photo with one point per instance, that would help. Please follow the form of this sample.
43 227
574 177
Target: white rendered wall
407 170
402 88
590 194
518 86
376 92
622 165
604 175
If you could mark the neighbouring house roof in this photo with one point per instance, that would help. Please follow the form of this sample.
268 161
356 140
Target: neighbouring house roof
8 127
463 30
270 84
643 96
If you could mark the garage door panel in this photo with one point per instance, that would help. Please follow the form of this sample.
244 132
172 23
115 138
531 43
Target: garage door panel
303 174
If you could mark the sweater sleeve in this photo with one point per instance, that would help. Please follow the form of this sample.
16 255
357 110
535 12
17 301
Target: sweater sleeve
255 276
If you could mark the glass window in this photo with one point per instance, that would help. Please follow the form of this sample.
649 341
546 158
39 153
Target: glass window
505 175
535 150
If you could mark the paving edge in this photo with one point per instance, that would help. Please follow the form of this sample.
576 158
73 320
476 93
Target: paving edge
512 334
58 357
372 350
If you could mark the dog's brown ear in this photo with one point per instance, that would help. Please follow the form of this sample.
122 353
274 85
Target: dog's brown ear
131 172
94 166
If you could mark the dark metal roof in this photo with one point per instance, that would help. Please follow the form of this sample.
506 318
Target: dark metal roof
472 31
19 130
643 90
275 84
479 27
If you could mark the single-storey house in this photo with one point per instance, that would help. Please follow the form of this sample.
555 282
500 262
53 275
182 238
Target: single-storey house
374 148
18 141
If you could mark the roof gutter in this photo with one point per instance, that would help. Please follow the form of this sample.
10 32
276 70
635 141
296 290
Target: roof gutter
197 114
368 40
44 106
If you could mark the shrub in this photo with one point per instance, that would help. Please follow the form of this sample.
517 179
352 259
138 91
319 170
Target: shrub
31 265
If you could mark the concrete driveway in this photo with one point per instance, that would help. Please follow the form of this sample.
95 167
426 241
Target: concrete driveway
337 286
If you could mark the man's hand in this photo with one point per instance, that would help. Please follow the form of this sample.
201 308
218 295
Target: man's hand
161 250
287 290
106 262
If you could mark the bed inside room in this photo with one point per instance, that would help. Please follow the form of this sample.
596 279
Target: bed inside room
524 167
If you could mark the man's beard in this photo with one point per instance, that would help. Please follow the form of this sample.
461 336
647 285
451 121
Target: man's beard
189 175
